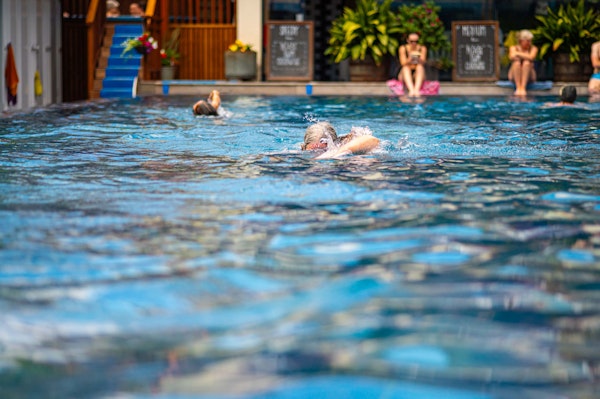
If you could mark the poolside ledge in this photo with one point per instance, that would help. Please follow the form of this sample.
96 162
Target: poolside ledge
201 87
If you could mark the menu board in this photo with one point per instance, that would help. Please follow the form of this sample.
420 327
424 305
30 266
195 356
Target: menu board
289 50
475 50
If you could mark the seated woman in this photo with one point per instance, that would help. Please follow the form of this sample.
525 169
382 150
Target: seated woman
594 84
522 57
412 63
210 106
321 136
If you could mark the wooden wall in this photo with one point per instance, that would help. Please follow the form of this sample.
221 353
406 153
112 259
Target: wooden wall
202 49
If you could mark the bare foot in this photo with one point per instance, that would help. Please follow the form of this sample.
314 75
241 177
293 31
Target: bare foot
520 93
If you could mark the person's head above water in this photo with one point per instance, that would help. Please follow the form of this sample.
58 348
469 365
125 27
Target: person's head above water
209 106
568 94
318 135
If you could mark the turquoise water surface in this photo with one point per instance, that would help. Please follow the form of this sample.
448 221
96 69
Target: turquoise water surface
149 253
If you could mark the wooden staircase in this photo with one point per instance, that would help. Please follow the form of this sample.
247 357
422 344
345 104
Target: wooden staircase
115 73
100 72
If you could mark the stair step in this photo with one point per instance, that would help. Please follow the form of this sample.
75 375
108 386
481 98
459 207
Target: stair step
125 61
130 29
118 50
119 39
116 93
117 83
97 85
121 72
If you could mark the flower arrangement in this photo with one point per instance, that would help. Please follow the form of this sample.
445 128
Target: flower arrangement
240 46
143 44
168 57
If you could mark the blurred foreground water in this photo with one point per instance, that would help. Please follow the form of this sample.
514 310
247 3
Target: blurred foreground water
146 252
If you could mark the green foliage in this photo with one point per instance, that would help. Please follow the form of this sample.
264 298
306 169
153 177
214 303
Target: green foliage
424 20
572 29
371 29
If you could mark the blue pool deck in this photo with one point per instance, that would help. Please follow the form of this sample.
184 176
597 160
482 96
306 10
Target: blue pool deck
194 87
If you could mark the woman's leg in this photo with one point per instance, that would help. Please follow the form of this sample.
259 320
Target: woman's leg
516 74
527 74
419 79
594 86
408 80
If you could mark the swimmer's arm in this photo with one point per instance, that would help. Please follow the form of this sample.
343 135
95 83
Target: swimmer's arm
359 145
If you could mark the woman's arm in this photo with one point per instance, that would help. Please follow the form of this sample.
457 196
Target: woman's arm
358 145
531 54
423 57
403 56
514 54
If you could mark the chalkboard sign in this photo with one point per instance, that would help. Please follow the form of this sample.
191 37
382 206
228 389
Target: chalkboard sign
289 50
475 50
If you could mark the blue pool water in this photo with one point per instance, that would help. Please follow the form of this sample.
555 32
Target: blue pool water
145 252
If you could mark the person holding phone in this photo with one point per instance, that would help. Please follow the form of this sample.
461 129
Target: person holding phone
412 62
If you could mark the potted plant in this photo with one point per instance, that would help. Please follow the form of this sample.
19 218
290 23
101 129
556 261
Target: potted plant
367 35
424 20
169 57
567 35
168 62
240 61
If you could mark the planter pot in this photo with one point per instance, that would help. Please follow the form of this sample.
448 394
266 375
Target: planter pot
431 73
567 71
445 75
368 71
168 72
240 65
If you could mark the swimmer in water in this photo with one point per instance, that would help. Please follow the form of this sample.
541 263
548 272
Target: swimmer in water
322 136
210 106
568 95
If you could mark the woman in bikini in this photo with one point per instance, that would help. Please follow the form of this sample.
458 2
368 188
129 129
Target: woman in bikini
594 84
412 62
522 57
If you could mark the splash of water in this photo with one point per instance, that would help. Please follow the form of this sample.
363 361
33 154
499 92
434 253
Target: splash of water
361 131
311 118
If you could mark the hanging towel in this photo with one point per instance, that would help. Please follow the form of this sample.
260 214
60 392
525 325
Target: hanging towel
37 84
11 77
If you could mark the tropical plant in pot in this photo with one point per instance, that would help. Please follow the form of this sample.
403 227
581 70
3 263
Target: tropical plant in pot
424 20
369 32
568 34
